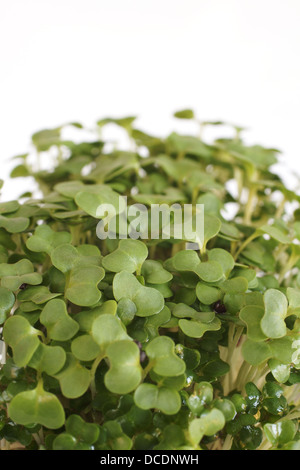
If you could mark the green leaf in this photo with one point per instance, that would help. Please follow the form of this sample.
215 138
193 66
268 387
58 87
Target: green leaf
191 357
252 315
69 189
37 406
83 273
186 260
280 372
65 257
125 372
108 329
173 438
116 438
49 359
82 431
237 285
126 310
7 300
176 383
182 310
215 369
253 397
14 224
280 433
19 171
293 296
82 287
210 271
223 258
14 275
284 348
36 294
23 339
129 256
60 326
251 437
165 362
149 396
256 353
188 144
196 329
85 318
85 348
272 323
65 441
9 206
154 273
207 425
91 201
153 322
207 294
45 138
276 233
3 254
226 407
74 379
45 239
184 114
148 301
125 122
212 226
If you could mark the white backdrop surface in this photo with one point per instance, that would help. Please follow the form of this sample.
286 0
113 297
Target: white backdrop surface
67 60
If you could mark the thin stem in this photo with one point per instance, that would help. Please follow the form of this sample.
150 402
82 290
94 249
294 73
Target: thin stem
233 341
152 250
280 208
234 336
289 265
249 377
250 205
93 373
246 242
244 369
265 445
147 369
228 442
37 439
260 372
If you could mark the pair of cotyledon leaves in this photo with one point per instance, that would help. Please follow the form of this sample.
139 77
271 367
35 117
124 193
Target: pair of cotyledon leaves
11 222
267 330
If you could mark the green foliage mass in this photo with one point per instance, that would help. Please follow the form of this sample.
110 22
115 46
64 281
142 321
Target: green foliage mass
124 344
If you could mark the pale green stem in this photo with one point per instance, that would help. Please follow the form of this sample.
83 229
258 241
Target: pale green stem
244 369
147 369
280 209
233 339
227 443
249 206
246 242
289 265
93 373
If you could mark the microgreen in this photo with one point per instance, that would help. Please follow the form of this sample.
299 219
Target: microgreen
150 344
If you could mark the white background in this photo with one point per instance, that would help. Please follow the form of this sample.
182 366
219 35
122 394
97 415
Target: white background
67 60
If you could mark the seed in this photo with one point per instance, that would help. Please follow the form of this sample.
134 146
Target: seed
219 307
143 355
